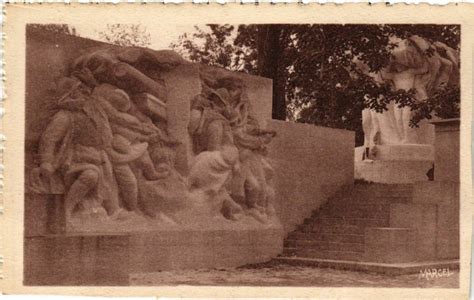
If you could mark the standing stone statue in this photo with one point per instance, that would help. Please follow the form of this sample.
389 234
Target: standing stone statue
393 151
416 64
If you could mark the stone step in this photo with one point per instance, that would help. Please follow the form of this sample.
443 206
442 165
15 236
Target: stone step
407 191
354 212
383 197
381 194
374 191
325 254
324 245
340 238
348 205
382 187
331 229
369 200
362 222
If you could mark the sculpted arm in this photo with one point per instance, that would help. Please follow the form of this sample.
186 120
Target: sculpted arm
129 134
248 141
198 105
216 132
120 117
53 134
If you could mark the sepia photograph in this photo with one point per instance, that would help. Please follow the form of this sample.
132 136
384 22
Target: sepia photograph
233 155
302 154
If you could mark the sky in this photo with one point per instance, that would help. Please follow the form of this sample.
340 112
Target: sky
161 34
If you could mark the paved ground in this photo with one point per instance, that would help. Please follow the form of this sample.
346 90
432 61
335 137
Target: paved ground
285 275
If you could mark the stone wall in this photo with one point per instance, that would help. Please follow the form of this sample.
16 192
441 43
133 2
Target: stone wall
433 218
447 150
311 163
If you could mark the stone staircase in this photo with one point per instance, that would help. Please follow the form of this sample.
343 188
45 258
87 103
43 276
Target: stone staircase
337 230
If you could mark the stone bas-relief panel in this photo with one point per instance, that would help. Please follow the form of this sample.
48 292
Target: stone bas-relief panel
139 140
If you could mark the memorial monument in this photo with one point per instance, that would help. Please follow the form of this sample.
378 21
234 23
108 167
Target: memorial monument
108 153
163 155
393 150
138 161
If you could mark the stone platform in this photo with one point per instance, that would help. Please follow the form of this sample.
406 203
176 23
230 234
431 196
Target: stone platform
109 259
394 163
384 268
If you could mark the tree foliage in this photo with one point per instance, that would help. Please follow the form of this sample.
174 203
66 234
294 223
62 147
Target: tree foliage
126 35
315 79
217 46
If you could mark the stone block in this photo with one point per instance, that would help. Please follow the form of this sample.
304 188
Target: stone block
421 218
447 244
411 152
98 259
392 172
389 245
77 260
37 208
406 163
447 150
182 84
447 231
436 225
436 192
447 217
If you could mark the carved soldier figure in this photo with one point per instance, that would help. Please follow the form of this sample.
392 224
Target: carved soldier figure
73 154
217 154
250 181
129 143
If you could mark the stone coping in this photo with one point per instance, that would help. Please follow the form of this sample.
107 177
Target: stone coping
403 152
446 121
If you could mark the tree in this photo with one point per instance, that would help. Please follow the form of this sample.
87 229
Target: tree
126 35
220 46
312 67
253 49
271 63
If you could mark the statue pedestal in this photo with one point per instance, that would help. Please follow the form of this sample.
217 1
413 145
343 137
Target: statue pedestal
394 163
110 259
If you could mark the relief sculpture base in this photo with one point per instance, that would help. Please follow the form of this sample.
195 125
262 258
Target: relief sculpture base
110 259
407 163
